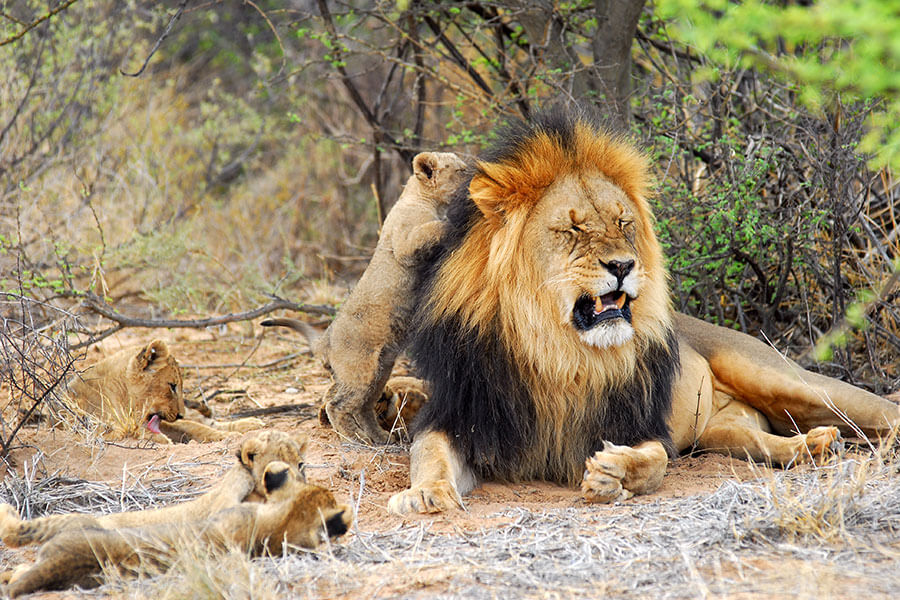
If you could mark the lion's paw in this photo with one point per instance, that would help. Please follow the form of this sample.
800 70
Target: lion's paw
400 402
822 443
603 476
357 425
434 497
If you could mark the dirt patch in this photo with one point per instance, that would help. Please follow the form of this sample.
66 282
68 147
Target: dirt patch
241 372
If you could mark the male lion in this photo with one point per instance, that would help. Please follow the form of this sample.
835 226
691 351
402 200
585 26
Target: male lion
546 333
289 511
144 385
362 343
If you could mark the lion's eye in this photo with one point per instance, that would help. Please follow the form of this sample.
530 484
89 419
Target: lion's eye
625 224
173 387
576 228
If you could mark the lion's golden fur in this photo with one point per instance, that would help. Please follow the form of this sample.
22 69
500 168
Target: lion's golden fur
529 373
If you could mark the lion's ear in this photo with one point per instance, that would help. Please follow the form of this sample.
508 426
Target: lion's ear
488 196
248 452
424 166
499 189
301 440
150 355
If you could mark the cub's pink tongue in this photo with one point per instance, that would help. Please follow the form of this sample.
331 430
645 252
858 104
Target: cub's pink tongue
153 424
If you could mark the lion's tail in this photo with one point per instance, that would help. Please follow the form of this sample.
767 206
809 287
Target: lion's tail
311 334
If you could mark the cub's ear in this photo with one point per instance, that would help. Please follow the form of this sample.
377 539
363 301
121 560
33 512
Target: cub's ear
247 454
150 355
424 166
275 476
302 441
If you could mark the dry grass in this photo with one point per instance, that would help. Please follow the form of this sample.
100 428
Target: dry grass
819 532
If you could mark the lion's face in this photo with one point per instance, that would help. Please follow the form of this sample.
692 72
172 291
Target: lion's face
581 237
156 384
261 448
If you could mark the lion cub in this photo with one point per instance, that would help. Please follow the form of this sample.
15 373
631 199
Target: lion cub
139 391
362 343
289 511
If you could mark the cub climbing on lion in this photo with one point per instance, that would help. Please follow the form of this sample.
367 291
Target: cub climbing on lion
362 343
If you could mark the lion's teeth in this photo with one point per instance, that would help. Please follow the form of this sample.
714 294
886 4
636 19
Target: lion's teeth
608 302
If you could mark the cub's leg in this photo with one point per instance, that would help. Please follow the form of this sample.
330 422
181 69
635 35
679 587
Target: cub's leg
438 476
359 378
73 557
187 429
234 487
619 472
351 411
14 532
241 425
184 430
740 430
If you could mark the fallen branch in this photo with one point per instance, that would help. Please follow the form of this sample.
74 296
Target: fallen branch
99 306
269 410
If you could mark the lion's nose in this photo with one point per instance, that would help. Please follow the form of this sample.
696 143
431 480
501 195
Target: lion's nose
620 268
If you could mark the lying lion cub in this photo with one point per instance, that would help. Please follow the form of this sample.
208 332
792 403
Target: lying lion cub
289 511
362 343
145 385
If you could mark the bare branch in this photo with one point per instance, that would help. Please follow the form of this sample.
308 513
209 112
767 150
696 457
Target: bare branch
159 42
37 22
96 304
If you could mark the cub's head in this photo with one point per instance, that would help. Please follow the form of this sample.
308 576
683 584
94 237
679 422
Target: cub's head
155 384
308 513
261 448
558 249
438 174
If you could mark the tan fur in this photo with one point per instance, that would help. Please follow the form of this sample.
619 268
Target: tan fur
400 402
753 402
240 483
553 218
363 341
125 389
261 503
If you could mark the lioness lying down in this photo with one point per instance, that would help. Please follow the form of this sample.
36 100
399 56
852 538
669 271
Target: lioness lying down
139 390
261 504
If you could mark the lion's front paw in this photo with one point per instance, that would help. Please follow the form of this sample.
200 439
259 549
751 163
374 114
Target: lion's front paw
603 477
357 425
822 443
433 497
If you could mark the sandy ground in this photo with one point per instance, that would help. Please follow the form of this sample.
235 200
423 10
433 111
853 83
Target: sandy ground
245 369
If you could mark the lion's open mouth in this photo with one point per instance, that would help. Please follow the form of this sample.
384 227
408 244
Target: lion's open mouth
589 311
